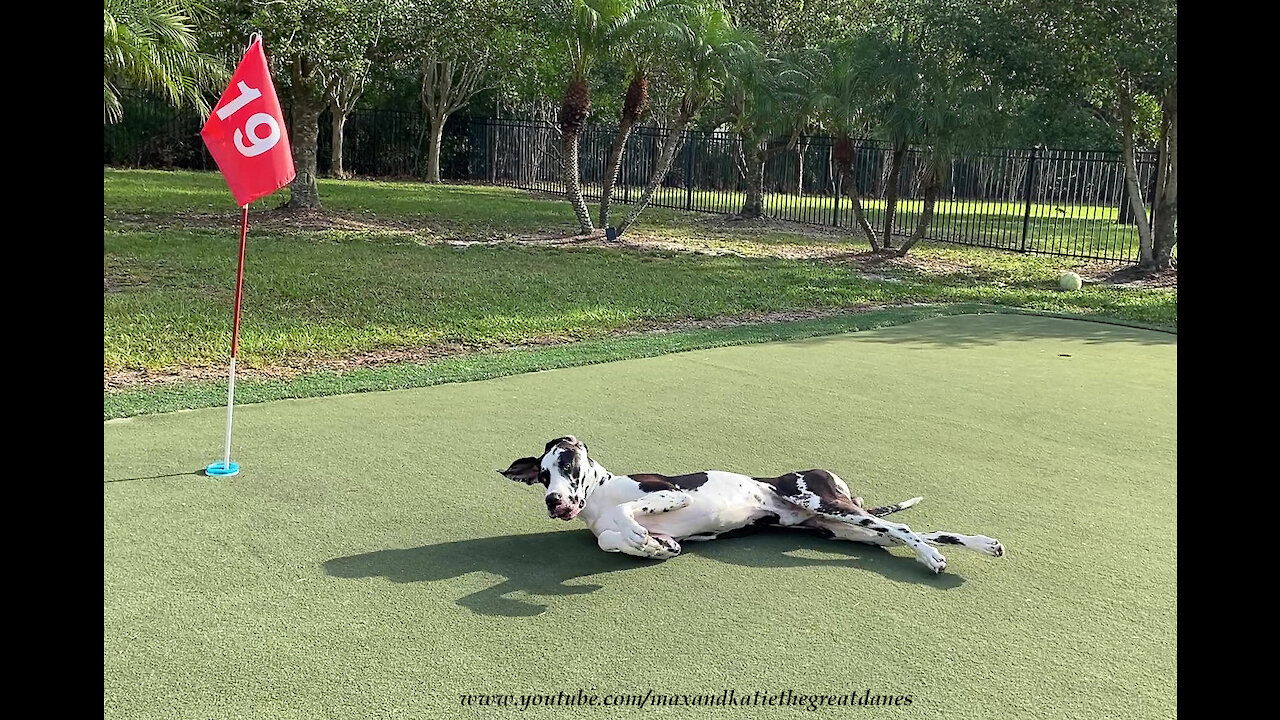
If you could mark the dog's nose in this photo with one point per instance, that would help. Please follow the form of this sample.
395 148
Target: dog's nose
554 499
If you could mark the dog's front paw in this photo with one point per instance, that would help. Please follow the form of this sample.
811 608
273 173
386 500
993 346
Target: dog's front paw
989 546
667 547
636 536
642 543
931 558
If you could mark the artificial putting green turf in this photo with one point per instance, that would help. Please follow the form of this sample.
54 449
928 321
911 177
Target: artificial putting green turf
369 562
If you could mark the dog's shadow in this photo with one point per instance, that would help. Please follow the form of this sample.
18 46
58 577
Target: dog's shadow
545 563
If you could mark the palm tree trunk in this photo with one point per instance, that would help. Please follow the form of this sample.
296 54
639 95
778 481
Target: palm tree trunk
633 106
575 108
860 216
666 156
842 154
932 186
572 183
614 171
891 191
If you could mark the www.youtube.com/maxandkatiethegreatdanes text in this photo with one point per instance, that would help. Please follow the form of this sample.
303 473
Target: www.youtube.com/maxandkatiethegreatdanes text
656 699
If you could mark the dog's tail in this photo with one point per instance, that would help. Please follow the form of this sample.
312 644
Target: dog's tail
889 509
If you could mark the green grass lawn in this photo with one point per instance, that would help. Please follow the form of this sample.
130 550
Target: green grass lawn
369 562
383 278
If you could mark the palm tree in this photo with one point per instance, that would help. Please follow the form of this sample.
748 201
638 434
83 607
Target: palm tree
707 51
643 44
593 29
151 45
910 87
839 104
939 98
764 98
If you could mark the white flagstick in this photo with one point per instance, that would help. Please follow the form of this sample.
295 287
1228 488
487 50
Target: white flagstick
231 403
227 468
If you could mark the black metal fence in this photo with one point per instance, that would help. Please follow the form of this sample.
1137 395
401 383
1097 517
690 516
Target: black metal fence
1059 202
376 143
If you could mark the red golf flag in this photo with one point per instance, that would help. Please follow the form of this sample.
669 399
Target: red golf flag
245 134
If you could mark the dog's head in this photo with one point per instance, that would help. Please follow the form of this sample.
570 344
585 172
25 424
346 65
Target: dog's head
563 469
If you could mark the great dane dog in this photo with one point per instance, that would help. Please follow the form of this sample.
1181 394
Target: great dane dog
650 515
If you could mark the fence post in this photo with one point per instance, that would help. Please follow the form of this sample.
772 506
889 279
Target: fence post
688 169
491 137
1031 179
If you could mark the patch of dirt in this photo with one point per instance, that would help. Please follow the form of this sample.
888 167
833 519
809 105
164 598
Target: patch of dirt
118 275
1136 276
317 220
130 378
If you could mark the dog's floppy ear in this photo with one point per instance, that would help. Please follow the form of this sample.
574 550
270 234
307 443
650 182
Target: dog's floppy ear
524 470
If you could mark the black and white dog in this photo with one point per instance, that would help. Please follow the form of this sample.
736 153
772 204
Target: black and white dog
650 515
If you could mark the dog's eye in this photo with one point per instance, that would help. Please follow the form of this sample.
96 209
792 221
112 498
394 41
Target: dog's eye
568 464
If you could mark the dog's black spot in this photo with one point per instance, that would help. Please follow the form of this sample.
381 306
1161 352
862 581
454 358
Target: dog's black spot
689 482
947 540
817 482
864 522
785 485
544 477
652 482
567 441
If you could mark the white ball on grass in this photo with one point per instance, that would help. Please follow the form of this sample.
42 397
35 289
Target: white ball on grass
1070 281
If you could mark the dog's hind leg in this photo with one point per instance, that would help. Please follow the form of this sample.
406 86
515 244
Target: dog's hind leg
978 543
817 492
857 533
827 528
